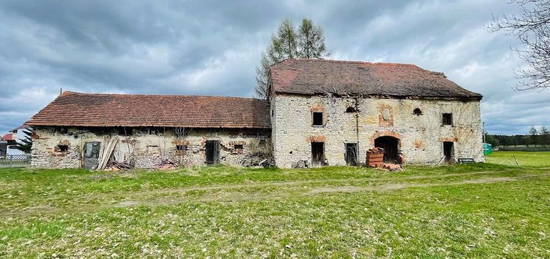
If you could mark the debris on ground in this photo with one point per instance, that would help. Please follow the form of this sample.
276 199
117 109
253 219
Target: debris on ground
117 166
300 164
391 167
167 164
257 160
375 157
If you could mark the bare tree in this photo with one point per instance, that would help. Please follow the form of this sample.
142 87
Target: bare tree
532 28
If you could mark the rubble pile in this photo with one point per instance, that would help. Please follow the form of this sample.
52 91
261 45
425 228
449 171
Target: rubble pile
375 158
167 164
257 159
117 166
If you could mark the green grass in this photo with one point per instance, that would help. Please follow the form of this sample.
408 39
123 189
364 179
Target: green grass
479 210
523 158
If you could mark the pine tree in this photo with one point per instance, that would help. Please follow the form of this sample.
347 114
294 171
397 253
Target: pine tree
306 42
285 44
311 42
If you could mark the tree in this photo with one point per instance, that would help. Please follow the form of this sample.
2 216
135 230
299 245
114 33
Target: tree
533 136
285 44
25 144
491 139
306 42
518 140
262 76
545 136
311 42
532 28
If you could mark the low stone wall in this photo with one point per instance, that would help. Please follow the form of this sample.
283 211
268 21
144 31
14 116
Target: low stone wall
57 147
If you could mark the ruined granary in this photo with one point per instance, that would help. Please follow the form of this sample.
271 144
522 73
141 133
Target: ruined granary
318 112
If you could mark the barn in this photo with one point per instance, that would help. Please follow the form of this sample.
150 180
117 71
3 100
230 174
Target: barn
318 112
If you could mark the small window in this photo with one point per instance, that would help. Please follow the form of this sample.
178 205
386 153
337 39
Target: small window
238 149
317 119
61 148
351 109
181 150
417 112
447 119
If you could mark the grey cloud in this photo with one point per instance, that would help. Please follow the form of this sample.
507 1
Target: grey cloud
212 48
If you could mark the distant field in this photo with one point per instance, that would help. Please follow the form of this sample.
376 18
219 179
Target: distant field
523 158
477 210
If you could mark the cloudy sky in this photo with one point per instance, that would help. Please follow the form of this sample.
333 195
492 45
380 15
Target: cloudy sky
212 48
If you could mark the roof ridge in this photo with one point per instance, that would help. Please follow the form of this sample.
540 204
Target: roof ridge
348 61
158 95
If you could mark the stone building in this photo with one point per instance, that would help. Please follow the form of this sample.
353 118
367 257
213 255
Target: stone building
147 131
327 112
320 112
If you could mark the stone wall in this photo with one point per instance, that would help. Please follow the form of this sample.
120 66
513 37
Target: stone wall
420 137
148 147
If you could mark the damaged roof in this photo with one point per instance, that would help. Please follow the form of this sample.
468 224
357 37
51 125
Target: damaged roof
320 76
129 110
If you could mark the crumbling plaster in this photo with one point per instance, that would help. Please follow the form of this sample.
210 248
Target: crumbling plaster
420 136
147 148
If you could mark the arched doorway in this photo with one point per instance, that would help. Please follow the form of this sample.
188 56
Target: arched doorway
391 148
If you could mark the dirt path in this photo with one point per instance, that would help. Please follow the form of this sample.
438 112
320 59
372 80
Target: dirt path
302 182
390 187
229 195
237 192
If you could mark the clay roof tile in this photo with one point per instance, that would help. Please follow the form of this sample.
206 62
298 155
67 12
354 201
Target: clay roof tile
133 110
321 76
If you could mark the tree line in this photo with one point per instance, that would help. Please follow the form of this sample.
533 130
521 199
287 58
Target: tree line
536 137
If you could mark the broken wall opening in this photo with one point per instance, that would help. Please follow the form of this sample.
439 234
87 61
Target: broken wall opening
391 148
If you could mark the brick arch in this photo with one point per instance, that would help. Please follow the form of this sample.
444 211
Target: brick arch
384 133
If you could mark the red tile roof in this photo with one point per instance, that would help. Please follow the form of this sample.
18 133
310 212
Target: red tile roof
320 76
8 137
126 110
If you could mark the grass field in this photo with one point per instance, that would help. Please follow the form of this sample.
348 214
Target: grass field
480 210
537 159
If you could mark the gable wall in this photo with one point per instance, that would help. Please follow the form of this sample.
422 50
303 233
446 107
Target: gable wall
420 137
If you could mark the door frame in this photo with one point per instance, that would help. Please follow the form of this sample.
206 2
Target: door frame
346 157
213 144
321 162
92 155
451 156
